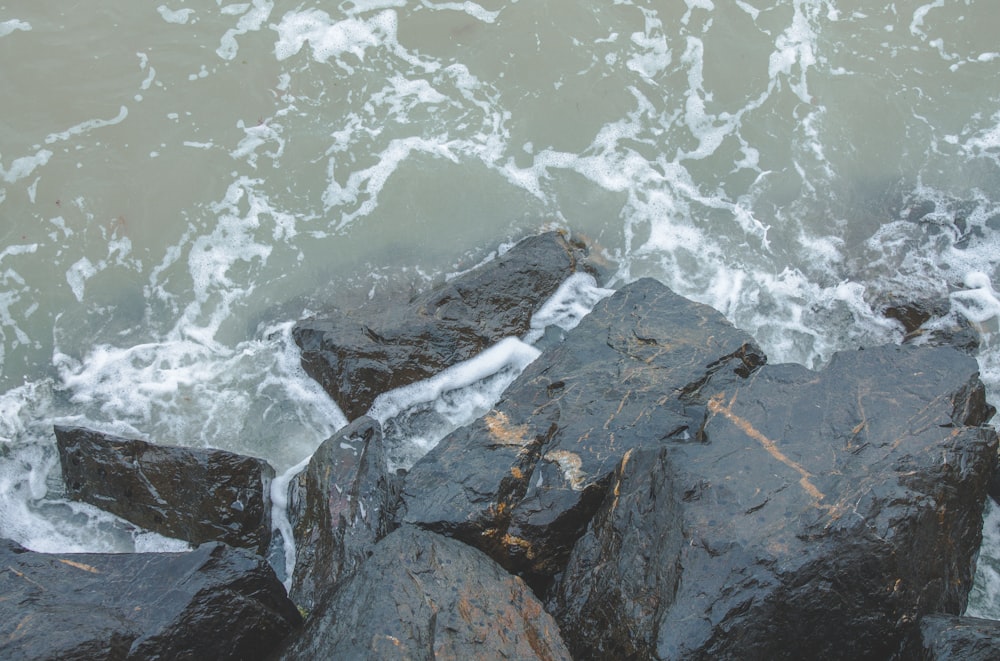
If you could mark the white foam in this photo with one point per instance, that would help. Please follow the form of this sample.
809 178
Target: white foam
919 15
979 303
183 392
749 9
18 249
255 137
78 274
571 302
252 19
22 407
279 517
363 186
707 5
653 55
795 46
24 166
87 126
507 352
176 16
985 142
211 256
150 77
235 9
354 7
710 130
13 25
471 8
329 38
402 94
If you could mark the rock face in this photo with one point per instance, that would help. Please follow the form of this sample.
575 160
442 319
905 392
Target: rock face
191 494
361 354
819 516
215 602
423 596
954 638
522 482
338 507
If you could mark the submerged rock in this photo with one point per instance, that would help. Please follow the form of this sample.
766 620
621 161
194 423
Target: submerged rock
955 638
363 353
338 507
820 515
523 481
196 495
215 602
424 596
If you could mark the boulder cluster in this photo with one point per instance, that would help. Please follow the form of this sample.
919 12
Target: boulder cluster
648 488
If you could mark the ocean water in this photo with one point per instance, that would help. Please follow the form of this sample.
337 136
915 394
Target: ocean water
180 182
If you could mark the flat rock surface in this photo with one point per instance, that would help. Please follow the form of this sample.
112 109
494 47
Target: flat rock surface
215 602
197 495
424 596
360 354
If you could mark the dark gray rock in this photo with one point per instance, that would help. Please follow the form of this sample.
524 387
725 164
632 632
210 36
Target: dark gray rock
932 322
424 596
215 602
338 507
955 638
522 482
821 515
196 495
365 352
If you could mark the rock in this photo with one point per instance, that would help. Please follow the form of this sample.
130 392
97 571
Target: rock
424 596
363 353
522 482
820 515
215 602
955 638
338 507
196 495
932 322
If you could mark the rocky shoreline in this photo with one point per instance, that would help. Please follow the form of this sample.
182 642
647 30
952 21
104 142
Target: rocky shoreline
647 488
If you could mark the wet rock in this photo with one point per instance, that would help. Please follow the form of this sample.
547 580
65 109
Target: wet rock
523 481
955 638
932 322
821 515
196 495
338 508
215 602
424 596
363 353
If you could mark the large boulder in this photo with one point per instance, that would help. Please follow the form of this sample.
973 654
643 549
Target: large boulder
215 602
956 638
522 482
360 354
424 596
814 515
338 507
197 495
